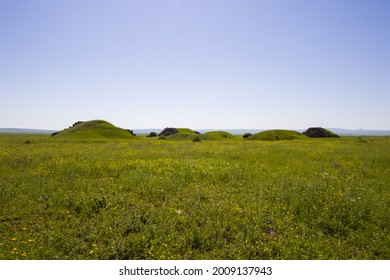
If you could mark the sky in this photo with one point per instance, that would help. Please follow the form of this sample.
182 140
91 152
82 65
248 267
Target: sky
265 64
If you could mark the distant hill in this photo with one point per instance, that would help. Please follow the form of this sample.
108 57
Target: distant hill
96 129
25 131
278 134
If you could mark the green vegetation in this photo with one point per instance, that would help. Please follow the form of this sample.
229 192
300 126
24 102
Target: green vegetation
192 136
278 134
221 135
334 135
247 135
92 130
212 135
152 134
185 131
152 199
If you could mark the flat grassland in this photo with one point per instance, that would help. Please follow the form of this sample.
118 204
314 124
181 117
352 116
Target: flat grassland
160 199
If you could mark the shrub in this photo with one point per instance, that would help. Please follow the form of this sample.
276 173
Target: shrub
246 135
152 134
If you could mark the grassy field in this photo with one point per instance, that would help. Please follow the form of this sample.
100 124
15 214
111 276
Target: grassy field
164 199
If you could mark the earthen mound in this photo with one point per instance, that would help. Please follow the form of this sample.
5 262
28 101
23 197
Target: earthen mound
319 132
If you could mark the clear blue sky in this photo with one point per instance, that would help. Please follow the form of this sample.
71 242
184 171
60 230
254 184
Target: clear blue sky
195 63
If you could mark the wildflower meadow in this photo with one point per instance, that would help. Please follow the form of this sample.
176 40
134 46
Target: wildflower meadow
150 198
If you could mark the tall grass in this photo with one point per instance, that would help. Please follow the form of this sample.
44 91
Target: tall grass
152 199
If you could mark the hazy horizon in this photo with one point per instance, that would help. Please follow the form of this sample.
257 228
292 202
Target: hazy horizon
230 64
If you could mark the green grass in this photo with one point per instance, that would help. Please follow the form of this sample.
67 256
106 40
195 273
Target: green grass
185 131
92 130
192 136
334 135
221 135
278 134
187 134
151 199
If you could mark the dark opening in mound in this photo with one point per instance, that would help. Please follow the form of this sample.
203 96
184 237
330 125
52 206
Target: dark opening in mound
319 132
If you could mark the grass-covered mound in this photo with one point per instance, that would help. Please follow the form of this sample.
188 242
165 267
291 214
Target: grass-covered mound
173 133
278 134
220 135
186 134
185 131
320 132
96 129
168 131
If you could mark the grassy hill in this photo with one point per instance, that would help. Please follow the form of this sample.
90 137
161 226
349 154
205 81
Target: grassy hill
220 135
184 134
95 129
278 134
320 132
185 130
211 135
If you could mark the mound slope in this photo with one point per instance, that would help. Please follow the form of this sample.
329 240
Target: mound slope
95 129
186 131
168 131
319 132
220 135
278 134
